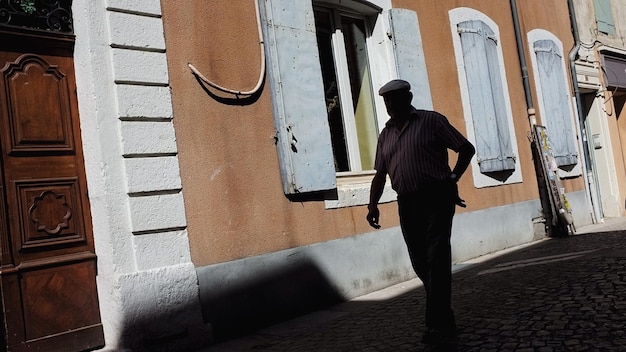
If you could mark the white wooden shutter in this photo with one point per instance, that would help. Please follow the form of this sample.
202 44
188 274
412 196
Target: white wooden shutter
556 110
297 90
409 55
494 151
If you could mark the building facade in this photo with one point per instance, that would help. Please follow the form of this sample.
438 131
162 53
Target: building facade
599 65
222 154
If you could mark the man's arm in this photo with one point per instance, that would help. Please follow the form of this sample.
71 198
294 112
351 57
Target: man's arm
466 153
376 191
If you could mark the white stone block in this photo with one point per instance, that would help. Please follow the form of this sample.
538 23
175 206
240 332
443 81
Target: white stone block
157 212
135 31
152 174
139 66
155 305
146 137
157 250
144 101
150 7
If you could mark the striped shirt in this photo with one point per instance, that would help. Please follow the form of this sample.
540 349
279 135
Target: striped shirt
419 152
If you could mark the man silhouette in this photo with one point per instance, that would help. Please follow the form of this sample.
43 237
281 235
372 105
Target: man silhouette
413 151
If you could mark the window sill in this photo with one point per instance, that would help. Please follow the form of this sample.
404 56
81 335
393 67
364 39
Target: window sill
355 191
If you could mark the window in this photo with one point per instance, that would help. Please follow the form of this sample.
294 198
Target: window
554 97
341 39
326 60
604 17
485 97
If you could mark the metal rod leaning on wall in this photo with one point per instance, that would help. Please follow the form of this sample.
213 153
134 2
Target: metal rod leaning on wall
261 74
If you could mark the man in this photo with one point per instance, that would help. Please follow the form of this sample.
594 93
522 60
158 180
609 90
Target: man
413 150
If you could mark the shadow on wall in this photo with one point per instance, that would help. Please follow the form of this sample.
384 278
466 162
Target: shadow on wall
237 301
153 331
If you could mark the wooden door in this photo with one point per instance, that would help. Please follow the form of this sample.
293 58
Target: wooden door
48 263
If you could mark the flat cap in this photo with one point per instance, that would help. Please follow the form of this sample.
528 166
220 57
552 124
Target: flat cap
393 85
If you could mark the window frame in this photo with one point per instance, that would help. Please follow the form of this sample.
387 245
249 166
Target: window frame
342 73
353 186
457 16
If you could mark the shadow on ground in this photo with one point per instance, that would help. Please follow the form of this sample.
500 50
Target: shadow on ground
563 294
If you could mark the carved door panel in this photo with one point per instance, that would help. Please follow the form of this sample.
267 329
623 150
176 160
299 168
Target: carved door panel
48 266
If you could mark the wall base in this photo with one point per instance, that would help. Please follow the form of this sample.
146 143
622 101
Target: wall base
156 310
243 295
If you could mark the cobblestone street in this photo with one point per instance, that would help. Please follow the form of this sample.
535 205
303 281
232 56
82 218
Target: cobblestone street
564 294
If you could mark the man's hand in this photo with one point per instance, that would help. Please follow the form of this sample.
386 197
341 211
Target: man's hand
373 216
458 201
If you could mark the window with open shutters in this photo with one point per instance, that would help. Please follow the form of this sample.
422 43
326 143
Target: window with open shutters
323 83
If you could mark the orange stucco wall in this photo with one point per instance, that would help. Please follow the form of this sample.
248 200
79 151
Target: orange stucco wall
229 167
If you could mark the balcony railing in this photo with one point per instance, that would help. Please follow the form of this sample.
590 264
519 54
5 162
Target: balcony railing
47 15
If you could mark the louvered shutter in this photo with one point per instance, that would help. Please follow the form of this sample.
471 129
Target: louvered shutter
297 90
556 111
494 151
604 16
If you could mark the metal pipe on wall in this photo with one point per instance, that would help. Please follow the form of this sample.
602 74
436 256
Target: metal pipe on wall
522 58
544 196
587 169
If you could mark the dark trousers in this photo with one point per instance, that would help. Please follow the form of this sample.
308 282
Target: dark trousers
426 222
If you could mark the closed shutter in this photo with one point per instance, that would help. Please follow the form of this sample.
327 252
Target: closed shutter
604 16
556 110
409 54
494 151
297 90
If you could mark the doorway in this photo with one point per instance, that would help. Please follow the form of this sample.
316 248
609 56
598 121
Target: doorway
607 162
48 262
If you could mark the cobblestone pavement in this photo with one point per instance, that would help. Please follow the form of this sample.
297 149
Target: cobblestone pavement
566 294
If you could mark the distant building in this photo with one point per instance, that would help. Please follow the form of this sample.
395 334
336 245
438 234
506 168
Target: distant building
600 64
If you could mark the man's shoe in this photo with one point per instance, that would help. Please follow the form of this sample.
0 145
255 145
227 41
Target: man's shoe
433 337
436 337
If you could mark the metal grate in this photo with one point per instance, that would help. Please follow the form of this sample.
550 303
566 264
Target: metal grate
48 15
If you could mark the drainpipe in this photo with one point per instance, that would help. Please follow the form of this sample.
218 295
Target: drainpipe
544 196
524 66
588 173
